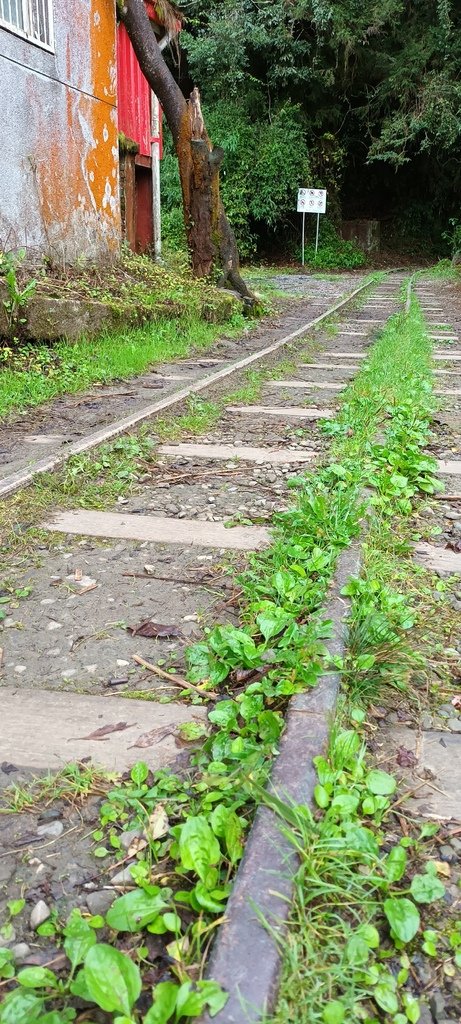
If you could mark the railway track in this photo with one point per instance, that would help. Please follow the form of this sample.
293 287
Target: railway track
157 556
26 453
157 553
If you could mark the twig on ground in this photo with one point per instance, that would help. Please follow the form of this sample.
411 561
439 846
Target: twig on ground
183 684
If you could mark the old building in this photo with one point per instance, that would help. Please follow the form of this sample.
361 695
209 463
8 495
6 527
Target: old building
140 139
59 162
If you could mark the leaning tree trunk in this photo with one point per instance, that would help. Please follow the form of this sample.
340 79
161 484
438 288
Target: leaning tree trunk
210 237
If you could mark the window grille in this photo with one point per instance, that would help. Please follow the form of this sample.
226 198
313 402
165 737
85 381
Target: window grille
30 18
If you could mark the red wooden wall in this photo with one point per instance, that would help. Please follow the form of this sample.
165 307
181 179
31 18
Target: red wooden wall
133 95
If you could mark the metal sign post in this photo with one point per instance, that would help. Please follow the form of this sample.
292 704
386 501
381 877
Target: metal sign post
311 200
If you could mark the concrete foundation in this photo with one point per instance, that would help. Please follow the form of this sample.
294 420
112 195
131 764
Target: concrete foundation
366 233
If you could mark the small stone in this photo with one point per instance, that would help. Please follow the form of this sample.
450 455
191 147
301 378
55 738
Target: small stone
447 854
39 914
437 1004
68 673
121 663
20 669
6 940
425 1016
126 838
454 724
426 721
50 814
53 625
456 844
21 951
451 514
123 877
53 829
99 902
446 707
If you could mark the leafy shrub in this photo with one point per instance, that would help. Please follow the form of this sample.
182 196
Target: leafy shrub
173 229
453 238
336 255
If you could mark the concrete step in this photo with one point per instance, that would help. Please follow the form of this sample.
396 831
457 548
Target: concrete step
47 729
159 530
320 385
286 412
226 452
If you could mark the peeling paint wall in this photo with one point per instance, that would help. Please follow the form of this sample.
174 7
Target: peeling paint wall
59 184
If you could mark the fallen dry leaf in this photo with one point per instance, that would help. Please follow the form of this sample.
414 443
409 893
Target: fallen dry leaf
377 712
158 822
104 730
154 629
443 868
136 846
147 739
178 948
406 758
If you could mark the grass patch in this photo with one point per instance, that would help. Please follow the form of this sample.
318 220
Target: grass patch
369 889
73 784
171 314
43 372
444 270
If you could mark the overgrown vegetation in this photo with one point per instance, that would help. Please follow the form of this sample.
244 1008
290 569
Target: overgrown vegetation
190 831
36 373
177 316
361 917
363 101
17 295
364 897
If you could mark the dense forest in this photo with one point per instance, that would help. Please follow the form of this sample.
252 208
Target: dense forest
363 99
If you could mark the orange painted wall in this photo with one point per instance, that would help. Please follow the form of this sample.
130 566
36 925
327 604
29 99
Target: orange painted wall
62 146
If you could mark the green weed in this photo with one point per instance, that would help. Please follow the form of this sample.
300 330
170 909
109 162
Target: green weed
73 784
362 898
192 829
40 373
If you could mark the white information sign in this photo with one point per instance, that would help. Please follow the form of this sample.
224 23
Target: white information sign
312 200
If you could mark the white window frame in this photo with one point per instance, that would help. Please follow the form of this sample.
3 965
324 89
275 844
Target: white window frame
27 16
